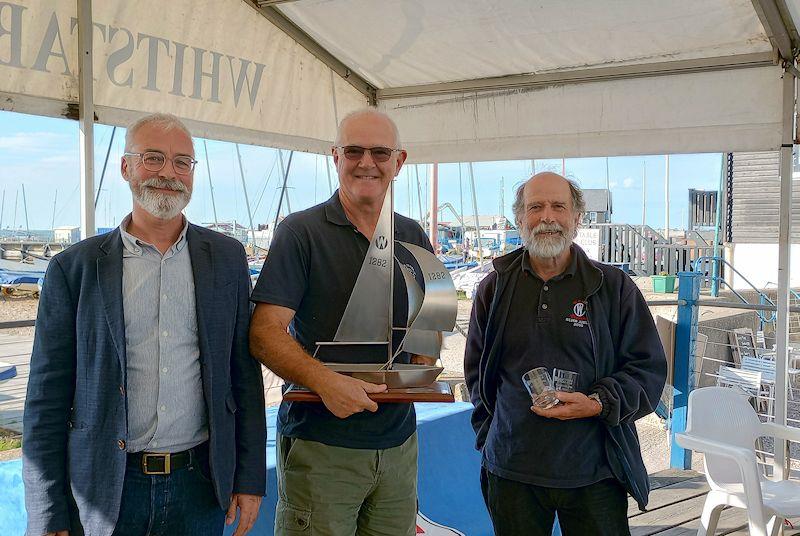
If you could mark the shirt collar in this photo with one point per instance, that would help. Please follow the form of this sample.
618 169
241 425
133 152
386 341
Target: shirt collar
572 267
334 211
135 245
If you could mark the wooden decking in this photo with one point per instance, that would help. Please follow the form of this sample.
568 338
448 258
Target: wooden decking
676 500
17 351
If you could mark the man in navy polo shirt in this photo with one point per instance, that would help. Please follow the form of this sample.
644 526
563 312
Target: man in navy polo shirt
348 465
548 305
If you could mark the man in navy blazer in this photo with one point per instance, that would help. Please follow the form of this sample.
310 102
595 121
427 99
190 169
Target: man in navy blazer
145 409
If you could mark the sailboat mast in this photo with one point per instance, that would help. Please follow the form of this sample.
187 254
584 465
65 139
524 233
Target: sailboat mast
283 188
2 208
25 206
53 221
328 171
246 199
105 164
211 187
419 197
475 212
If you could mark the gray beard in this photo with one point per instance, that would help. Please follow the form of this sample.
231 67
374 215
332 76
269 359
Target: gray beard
162 206
543 246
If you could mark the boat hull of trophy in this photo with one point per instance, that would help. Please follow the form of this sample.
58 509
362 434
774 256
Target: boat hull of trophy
400 376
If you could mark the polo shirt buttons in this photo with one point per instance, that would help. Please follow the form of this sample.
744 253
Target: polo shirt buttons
544 306
546 288
121 444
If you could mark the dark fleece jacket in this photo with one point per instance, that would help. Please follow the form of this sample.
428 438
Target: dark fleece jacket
630 366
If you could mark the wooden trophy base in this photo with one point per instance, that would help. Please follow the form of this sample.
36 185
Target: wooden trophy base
435 392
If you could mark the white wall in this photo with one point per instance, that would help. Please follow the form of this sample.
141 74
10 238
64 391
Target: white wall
759 264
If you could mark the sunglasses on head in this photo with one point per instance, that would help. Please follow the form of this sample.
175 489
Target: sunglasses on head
378 154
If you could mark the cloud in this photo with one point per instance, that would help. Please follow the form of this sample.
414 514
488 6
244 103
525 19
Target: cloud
59 158
33 142
612 184
627 183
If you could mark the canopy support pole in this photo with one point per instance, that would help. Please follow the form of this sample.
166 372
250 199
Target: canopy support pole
784 264
86 117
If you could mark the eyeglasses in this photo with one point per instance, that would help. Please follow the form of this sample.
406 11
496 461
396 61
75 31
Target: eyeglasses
378 154
155 161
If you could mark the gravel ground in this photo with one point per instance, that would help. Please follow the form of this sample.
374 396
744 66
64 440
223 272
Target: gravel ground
21 307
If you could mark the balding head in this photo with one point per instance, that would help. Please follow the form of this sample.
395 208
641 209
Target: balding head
550 179
375 116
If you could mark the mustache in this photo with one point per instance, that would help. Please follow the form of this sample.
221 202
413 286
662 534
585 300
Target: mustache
547 228
165 184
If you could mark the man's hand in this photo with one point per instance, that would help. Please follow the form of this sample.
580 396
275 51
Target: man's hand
248 506
571 406
344 396
417 359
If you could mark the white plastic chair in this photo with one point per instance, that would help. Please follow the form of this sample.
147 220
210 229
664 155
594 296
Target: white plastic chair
748 381
723 426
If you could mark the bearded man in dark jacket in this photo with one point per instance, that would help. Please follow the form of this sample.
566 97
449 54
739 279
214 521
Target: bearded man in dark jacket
549 305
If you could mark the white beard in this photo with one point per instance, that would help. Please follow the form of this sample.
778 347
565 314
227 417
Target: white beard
162 206
546 246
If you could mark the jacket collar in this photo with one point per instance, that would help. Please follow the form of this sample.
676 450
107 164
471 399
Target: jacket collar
586 269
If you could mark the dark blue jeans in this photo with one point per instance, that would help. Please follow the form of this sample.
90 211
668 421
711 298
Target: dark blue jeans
517 508
179 504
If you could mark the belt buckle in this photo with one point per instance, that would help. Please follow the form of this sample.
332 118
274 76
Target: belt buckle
147 471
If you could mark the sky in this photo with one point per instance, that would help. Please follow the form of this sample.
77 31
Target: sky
39 170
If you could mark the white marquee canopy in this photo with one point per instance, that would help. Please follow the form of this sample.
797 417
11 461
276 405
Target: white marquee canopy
464 79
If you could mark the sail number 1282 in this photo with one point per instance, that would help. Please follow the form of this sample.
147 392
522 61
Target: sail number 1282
380 263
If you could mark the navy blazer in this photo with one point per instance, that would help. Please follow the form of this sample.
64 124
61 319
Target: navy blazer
75 424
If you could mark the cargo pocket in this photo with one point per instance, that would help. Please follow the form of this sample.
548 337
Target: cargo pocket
292 520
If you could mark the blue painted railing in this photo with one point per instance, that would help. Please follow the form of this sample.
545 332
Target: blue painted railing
765 317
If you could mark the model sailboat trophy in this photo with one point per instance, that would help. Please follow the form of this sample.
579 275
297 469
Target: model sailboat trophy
367 319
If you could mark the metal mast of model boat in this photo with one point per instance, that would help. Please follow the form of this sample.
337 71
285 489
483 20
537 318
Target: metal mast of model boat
390 193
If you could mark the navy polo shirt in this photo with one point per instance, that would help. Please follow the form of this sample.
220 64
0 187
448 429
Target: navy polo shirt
546 327
312 265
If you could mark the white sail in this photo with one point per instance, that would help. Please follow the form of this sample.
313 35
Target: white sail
439 308
366 317
415 294
417 341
